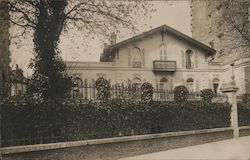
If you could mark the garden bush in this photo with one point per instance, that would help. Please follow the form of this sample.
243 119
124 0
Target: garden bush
103 88
244 113
109 118
180 94
207 95
246 98
147 92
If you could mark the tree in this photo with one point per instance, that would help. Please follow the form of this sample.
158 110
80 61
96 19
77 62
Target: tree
47 19
235 23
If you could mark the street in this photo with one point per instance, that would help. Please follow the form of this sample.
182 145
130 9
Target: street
232 149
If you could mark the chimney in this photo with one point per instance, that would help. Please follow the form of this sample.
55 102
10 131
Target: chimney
113 38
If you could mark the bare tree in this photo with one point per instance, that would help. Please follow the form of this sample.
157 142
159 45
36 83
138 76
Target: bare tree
47 19
235 23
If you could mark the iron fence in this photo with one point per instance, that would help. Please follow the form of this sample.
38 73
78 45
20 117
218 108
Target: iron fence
130 92
88 91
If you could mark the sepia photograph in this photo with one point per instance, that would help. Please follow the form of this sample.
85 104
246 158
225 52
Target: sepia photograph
124 79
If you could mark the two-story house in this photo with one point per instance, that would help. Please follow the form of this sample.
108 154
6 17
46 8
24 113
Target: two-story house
162 56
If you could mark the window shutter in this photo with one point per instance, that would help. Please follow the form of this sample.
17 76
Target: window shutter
183 59
165 55
183 82
171 84
197 85
129 57
143 57
196 59
209 84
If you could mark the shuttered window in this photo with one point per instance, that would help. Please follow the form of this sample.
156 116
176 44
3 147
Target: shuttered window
143 57
196 60
183 59
129 57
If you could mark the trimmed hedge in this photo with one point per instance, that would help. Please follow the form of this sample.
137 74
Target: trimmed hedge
147 92
109 118
180 94
207 95
244 113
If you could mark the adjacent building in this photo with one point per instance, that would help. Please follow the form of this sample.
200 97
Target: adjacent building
208 27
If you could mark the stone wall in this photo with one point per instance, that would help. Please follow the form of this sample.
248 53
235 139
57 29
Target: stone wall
115 148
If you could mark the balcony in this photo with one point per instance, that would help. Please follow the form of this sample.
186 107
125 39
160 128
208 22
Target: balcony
164 66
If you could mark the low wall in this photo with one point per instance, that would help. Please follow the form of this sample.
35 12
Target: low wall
244 131
115 148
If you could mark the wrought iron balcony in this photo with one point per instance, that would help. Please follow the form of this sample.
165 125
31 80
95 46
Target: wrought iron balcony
164 66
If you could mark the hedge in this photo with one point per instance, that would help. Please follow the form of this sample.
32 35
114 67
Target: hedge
244 114
111 118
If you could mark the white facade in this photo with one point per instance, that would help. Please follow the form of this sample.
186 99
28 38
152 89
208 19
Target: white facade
187 62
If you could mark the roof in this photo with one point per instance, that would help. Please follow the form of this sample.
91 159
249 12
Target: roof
164 28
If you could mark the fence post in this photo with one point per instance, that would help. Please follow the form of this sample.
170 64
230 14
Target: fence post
0 130
230 90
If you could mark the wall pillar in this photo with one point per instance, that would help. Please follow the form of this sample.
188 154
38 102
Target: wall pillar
0 129
230 90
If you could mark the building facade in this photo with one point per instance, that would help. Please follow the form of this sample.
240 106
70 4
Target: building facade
162 56
4 46
208 27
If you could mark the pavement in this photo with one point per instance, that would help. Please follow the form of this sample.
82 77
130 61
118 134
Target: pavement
232 149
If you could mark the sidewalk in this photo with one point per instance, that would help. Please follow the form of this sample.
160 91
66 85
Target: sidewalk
232 149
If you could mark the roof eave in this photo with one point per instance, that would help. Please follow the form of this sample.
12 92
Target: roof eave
208 50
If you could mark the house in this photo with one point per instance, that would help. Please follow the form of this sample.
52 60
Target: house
18 82
162 56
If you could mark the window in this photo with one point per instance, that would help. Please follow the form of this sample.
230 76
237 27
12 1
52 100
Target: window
136 57
163 52
77 87
163 84
190 84
136 83
216 85
189 59
163 88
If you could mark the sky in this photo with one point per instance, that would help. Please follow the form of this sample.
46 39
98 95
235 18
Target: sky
175 14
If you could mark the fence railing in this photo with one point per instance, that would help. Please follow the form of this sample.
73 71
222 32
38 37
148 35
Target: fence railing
89 92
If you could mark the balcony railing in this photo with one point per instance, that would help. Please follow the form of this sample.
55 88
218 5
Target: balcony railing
164 66
136 64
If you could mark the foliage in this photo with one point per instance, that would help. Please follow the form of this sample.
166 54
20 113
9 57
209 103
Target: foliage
180 94
235 24
244 113
207 95
103 89
246 98
146 92
47 20
88 120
